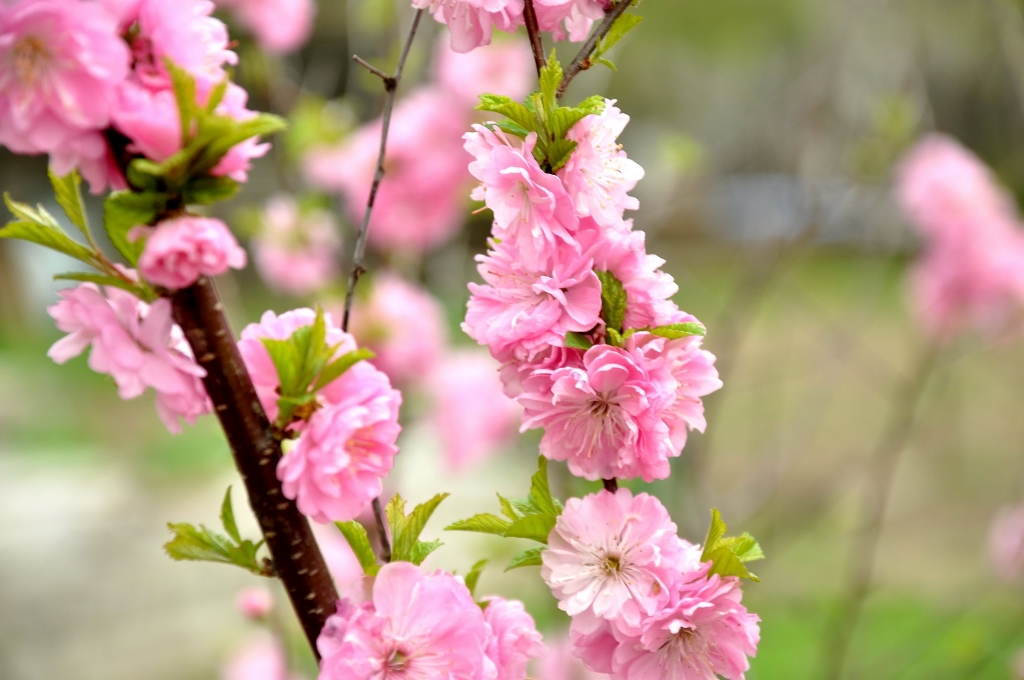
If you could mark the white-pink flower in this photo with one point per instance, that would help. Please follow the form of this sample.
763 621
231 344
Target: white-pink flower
415 626
296 251
279 26
180 250
613 555
513 638
500 68
1006 543
559 663
261 659
472 22
137 344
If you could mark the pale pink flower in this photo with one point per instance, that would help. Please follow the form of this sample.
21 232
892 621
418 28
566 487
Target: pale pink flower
296 251
501 68
421 200
514 639
91 155
559 663
472 22
598 174
613 555
572 17
279 26
415 626
520 310
1006 543
515 371
532 211
473 417
254 602
60 62
137 344
180 250
404 326
261 659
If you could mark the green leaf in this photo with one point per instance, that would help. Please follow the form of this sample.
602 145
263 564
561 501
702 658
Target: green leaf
726 563
216 96
564 118
421 549
715 534
623 25
237 132
679 330
185 93
558 152
745 547
512 129
727 555
533 527
208 190
26 213
511 109
227 517
287 360
507 509
473 577
202 545
614 337
577 341
550 79
528 558
613 300
48 237
606 62
69 195
484 524
594 104
355 534
125 209
101 280
337 367
406 529
540 491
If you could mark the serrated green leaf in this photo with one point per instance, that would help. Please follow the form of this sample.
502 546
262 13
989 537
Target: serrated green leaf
715 534
227 517
422 549
594 104
512 129
606 62
101 280
577 341
185 94
726 563
473 577
745 547
558 152
507 509
68 193
26 213
533 527
613 300
336 368
287 360
201 544
485 523
123 210
236 133
679 330
623 25
540 491
614 337
208 190
50 238
528 558
406 529
725 553
526 506
511 109
550 79
564 118
355 534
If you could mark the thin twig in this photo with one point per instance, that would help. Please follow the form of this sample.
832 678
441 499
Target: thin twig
371 68
532 30
582 60
358 267
611 485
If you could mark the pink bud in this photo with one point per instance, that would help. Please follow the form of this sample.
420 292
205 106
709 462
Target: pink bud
255 602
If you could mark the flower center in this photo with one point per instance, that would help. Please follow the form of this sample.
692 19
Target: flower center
601 406
398 662
612 563
30 54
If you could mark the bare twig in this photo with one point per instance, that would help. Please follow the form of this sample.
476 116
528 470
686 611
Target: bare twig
582 60
532 30
358 267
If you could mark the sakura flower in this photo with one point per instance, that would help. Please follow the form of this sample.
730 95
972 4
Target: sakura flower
514 639
613 555
598 174
296 252
404 326
500 68
180 250
137 344
1006 543
60 63
532 211
279 26
521 310
471 22
574 17
255 602
261 659
415 626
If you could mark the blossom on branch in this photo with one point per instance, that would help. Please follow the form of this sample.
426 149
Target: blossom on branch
279 26
180 250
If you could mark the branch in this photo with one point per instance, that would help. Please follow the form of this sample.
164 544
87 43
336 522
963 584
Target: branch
297 559
532 30
582 60
358 268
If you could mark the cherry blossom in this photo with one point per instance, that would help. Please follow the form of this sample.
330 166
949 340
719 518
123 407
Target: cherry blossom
180 250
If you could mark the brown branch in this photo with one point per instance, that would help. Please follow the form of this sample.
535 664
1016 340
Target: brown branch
582 60
359 254
611 484
297 559
532 30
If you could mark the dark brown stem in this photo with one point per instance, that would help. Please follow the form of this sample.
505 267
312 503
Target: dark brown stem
532 30
861 563
297 559
359 254
611 485
582 60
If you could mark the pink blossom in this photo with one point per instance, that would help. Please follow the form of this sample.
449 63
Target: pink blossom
500 68
279 26
404 326
415 626
420 203
532 211
180 250
471 413
613 555
137 344
471 22
514 639
559 663
255 602
261 659
60 62
91 155
574 17
1006 543
520 309
515 371
598 174
296 251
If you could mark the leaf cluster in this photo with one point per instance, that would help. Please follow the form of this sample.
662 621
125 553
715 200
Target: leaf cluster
729 555
406 545
203 545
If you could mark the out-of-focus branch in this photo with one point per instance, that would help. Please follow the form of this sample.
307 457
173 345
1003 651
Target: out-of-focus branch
582 60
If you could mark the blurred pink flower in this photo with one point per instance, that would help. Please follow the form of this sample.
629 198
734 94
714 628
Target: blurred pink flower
279 26
559 663
137 344
296 252
471 22
404 326
255 602
1006 543
569 18
180 250
60 62
500 68
514 639
473 416
420 203
261 659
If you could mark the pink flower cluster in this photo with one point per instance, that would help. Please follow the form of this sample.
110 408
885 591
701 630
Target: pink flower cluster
180 250
347 446
296 251
472 22
137 344
279 26
73 70
643 605
610 411
420 626
971 274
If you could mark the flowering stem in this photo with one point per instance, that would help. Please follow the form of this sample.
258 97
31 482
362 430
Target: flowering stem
861 563
358 267
297 559
582 60
611 485
533 30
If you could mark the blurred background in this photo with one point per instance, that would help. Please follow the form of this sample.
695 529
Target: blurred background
768 130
